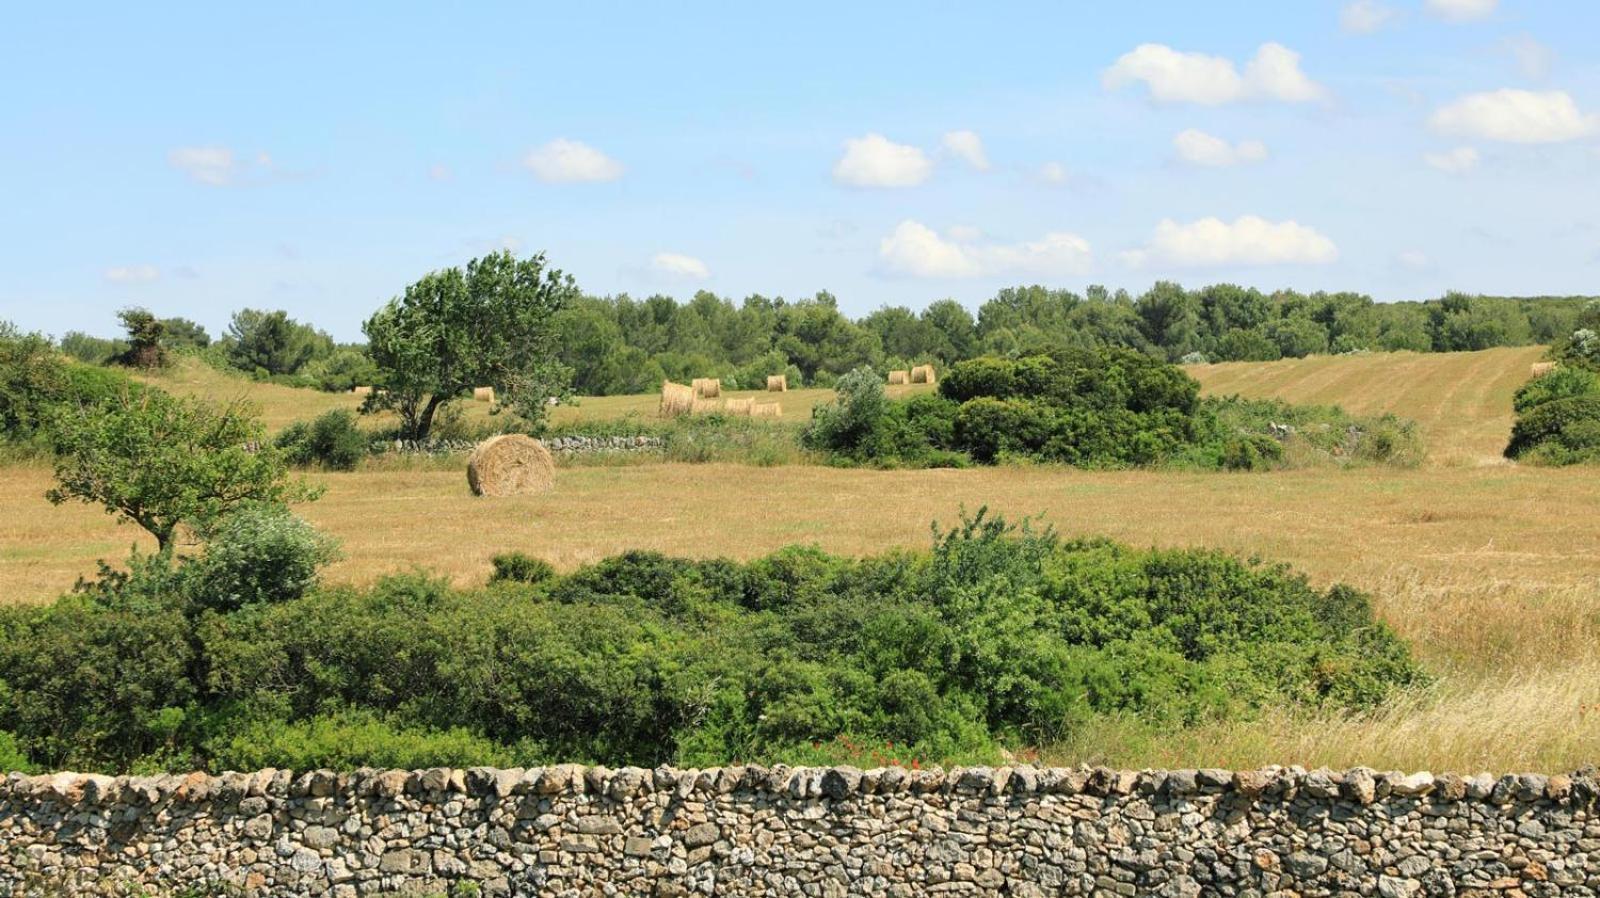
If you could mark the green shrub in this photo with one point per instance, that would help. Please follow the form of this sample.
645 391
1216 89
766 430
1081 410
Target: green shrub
347 739
1558 432
1254 434
259 554
515 567
852 426
1564 382
12 759
333 441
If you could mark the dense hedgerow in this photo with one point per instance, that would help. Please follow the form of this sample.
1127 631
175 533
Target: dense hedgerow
1092 408
996 636
1558 417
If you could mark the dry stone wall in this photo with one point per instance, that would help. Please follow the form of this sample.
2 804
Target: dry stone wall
823 832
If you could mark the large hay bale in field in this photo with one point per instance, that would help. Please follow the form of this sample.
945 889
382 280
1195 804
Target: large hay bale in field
899 377
483 394
923 374
766 410
740 406
700 406
676 399
510 465
1540 369
707 387
361 391
777 383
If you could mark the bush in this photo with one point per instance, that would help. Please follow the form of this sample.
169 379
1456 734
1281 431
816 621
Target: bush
259 554
1564 382
1255 434
997 636
515 567
1558 432
333 441
12 759
852 425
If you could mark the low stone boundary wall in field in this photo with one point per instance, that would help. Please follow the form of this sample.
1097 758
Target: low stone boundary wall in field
575 445
824 832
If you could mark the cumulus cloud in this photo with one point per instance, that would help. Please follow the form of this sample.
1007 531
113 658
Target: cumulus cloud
1461 10
132 274
968 146
1458 161
917 250
677 265
1515 116
563 161
1199 148
1364 16
1172 76
1248 240
877 161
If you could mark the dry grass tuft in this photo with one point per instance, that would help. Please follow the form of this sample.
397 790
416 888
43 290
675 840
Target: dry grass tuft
510 465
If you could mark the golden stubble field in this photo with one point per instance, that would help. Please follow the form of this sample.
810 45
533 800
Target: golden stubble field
1491 570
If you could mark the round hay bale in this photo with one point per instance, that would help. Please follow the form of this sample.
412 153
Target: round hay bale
899 377
483 394
739 406
676 399
361 391
704 406
510 465
1540 369
766 410
707 387
922 374
777 383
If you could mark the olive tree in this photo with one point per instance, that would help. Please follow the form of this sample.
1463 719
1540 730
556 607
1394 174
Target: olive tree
163 462
489 324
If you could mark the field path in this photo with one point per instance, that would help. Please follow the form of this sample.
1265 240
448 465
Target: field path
1462 400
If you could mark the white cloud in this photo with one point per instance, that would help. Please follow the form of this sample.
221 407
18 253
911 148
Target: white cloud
213 166
1413 260
1199 148
917 250
1458 161
1249 240
677 265
1461 10
132 274
967 145
1534 60
1172 76
1515 116
1364 16
1053 173
563 161
876 161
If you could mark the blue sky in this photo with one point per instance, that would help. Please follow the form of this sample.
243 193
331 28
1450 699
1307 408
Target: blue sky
196 159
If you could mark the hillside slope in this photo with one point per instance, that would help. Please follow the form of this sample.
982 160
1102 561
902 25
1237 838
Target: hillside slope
1462 400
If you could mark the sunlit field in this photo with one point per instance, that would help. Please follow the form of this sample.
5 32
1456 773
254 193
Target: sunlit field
1488 569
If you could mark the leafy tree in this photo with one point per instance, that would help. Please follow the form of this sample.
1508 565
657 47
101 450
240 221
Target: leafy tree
181 333
488 325
165 462
145 333
273 342
91 350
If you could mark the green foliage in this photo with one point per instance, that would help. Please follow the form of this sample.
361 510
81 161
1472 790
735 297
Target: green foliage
1461 322
272 343
12 759
333 440
258 554
162 461
1255 434
1558 432
997 636
347 739
1564 382
181 334
516 567
91 350
345 368
488 325
146 336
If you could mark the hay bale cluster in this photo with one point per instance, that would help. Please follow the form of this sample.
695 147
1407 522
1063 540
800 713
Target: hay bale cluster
510 465
677 399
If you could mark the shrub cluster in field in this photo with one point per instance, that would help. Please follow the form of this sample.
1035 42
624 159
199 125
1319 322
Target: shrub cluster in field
1558 418
1091 408
997 636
